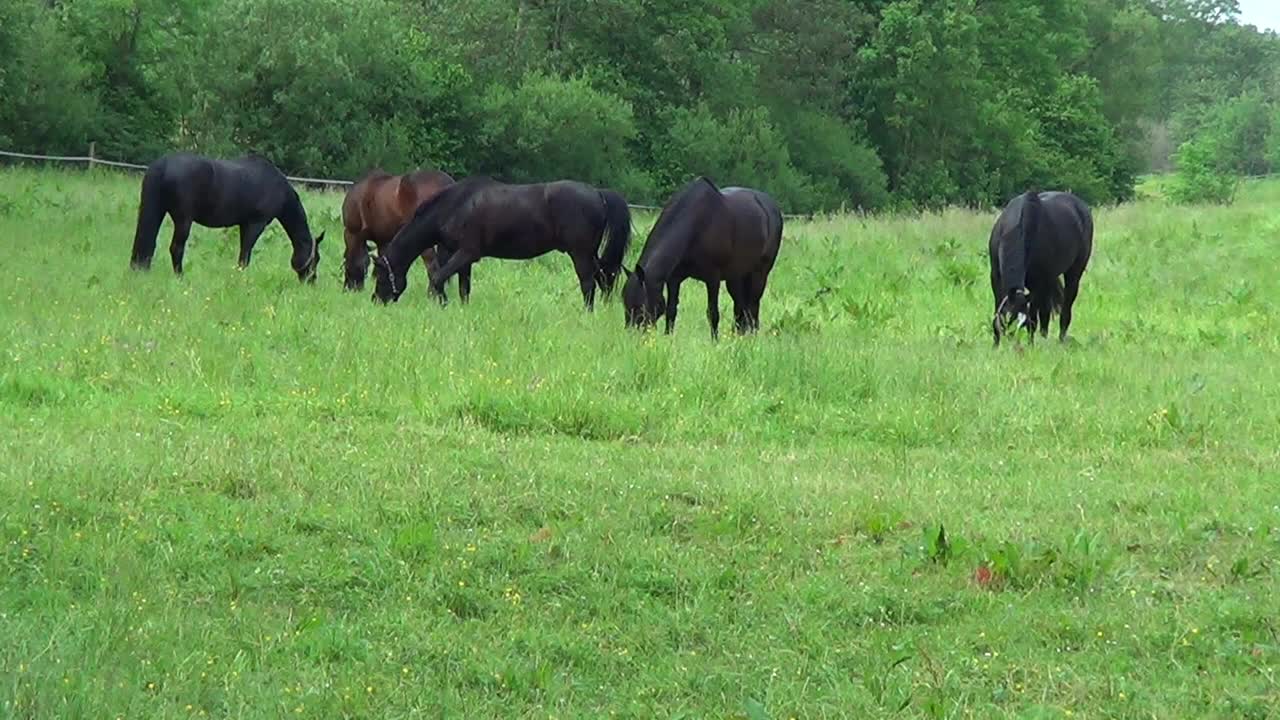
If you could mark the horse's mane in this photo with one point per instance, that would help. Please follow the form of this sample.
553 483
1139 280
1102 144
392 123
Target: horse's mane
412 239
373 172
677 224
422 176
451 198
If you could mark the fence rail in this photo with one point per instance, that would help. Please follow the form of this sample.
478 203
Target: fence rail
92 159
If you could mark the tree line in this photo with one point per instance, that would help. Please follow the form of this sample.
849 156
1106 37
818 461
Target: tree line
863 104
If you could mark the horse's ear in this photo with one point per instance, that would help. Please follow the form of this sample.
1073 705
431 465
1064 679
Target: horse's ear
639 272
319 237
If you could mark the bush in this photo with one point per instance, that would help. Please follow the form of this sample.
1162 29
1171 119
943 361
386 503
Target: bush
842 167
327 86
1080 150
1201 177
549 128
742 149
45 104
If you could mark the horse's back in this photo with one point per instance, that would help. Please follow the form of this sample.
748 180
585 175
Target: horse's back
1072 222
757 221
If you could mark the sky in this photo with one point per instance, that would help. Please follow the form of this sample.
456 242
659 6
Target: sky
1263 13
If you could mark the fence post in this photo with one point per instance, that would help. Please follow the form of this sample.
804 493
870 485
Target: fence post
92 147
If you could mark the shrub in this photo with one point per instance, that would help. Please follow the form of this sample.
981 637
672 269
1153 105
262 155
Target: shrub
327 86
744 148
842 167
550 128
1200 176
45 104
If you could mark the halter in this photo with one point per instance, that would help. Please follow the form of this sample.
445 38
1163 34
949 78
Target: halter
391 276
315 251
999 316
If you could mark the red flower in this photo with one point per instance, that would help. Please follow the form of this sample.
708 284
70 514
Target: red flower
983 576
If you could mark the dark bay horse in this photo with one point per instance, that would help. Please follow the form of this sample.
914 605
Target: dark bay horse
249 192
375 209
709 235
480 217
1037 238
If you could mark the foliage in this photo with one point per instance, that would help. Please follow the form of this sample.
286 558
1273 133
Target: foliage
378 94
548 129
1202 176
864 104
744 145
44 106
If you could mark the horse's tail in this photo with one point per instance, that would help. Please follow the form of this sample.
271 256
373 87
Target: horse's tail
1030 218
617 225
151 210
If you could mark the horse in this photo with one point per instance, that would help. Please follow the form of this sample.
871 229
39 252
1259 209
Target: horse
375 209
1038 237
481 217
711 235
249 192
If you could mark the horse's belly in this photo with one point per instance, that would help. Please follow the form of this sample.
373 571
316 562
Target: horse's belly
518 253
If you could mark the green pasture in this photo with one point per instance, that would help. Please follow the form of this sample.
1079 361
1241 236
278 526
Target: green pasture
234 496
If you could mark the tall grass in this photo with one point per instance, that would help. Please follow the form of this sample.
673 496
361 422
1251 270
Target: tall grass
232 495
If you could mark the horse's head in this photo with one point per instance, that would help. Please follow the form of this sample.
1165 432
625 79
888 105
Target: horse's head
355 268
642 300
387 283
306 260
607 280
1014 312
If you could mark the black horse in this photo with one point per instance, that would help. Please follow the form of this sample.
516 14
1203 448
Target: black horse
711 235
480 217
248 191
1037 238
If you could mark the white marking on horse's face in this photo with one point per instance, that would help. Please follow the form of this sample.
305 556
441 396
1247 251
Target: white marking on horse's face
1021 319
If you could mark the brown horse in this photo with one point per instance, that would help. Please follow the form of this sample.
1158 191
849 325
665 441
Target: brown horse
376 208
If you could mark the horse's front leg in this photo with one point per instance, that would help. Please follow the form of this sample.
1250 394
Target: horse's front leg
587 267
249 234
673 303
457 261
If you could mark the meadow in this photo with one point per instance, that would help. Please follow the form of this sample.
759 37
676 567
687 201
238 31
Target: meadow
234 496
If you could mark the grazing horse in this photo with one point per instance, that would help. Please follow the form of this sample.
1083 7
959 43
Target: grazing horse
376 208
480 217
1037 238
710 235
248 191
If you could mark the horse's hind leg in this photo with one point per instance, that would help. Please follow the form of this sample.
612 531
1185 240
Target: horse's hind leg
740 291
1070 289
150 215
586 266
713 306
755 291
178 246
464 283
1044 311
249 234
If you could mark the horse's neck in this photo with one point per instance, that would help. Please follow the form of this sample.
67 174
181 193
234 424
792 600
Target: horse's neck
410 241
294 219
675 243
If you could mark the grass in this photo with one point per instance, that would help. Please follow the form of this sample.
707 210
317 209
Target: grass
232 496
